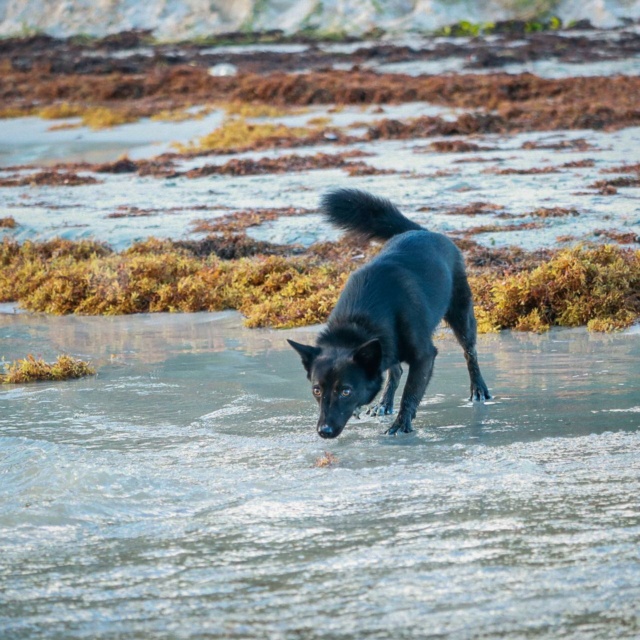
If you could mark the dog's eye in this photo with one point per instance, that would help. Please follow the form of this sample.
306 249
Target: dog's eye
317 391
345 392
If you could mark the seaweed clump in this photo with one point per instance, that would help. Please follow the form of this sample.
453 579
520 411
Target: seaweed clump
236 134
328 459
283 164
48 179
94 117
153 276
598 287
32 369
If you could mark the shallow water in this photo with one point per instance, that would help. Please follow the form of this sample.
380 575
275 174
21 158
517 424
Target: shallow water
175 494
548 68
32 140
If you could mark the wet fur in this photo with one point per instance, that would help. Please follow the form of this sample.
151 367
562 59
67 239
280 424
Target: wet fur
386 315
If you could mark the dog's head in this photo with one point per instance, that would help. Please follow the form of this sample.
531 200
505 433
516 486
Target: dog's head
341 381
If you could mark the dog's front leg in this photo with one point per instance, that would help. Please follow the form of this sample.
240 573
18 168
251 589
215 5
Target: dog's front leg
420 371
385 406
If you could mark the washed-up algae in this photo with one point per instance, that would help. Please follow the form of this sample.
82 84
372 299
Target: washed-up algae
494 227
598 287
47 178
616 182
621 237
471 209
595 286
237 133
31 369
281 164
239 221
159 276
523 101
327 459
181 84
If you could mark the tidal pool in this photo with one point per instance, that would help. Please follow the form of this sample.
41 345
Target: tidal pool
175 494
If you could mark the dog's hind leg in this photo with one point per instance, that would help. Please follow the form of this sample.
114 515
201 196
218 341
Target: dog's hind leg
420 371
385 406
463 323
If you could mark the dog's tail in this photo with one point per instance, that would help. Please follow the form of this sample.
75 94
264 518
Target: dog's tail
365 215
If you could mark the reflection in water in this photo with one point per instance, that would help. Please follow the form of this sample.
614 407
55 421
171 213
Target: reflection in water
175 493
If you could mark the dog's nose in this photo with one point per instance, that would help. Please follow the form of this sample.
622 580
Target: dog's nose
325 431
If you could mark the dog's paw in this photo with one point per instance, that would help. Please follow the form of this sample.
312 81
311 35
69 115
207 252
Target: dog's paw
399 426
479 393
379 409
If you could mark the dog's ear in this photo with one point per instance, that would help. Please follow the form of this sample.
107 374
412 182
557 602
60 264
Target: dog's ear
369 356
306 352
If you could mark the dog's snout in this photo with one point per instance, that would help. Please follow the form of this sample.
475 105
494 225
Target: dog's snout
325 431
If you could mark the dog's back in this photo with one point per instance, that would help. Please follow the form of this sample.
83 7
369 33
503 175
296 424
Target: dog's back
407 288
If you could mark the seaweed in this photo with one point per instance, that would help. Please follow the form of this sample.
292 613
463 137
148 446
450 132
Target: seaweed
47 178
621 237
624 181
131 212
237 133
471 209
356 169
513 288
553 212
592 101
257 110
121 165
32 369
454 146
270 290
578 164
232 246
281 164
493 228
94 117
520 172
599 287
499 261
328 459
242 220
179 114
60 110
624 168
577 144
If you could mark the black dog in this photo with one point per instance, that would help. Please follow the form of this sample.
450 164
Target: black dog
386 315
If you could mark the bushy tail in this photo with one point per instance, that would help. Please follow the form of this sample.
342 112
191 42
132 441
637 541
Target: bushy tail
365 215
